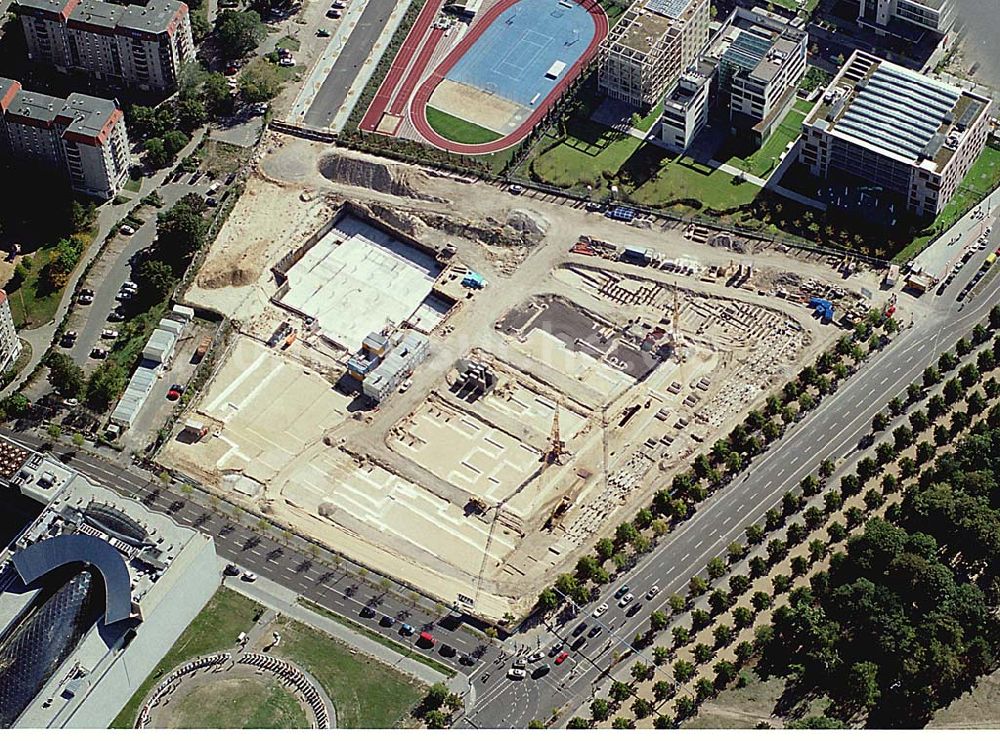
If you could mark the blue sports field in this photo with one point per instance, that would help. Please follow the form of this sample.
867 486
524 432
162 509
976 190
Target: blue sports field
512 55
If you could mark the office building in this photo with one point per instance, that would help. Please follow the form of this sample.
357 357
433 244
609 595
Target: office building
649 48
10 343
747 75
906 19
93 593
761 60
896 129
81 135
137 46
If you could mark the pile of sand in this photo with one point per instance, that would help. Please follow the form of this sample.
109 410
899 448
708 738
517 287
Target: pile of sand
378 176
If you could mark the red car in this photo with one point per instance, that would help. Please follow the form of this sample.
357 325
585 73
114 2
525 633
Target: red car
562 657
175 392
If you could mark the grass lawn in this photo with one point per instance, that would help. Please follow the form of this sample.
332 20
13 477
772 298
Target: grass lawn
366 692
221 158
683 178
589 150
287 42
378 637
133 185
765 159
237 702
457 129
215 628
982 178
34 303
646 122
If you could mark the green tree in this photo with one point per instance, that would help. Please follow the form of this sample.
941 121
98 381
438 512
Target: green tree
157 156
174 141
600 709
760 601
181 228
576 723
716 568
105 384
683 671
658 620
65 376
548 599
238 33
681 634
158 278
862 685
259 82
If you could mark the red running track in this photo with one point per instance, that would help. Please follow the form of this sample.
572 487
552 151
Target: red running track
410 46
418 106
406 90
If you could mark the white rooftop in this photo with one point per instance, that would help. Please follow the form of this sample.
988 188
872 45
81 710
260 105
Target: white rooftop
354 286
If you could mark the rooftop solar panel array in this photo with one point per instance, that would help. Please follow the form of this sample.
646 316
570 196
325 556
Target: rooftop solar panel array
669 8
898 111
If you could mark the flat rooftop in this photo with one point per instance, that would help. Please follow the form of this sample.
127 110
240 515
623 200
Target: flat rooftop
896 111
645 31
669 8
356 280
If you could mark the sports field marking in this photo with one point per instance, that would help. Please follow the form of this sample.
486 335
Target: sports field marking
526 51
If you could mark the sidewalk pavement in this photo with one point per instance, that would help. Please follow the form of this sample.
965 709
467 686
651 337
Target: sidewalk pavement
937 257
283 600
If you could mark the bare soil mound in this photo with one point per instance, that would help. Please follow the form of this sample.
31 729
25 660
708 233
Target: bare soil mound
377 176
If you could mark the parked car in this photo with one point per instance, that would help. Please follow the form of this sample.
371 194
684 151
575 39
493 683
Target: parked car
249 576
85 299
653 591
68 339
626 599
517 674
595 631
467 660
99 353
129 286
537 656
578 643
579 629
516 189
601 609
127 229
322 33
406 629
387 621
231 570
286 62
621 591
71 402
109 334
175 392
520 663
116 316
556 648
333 13
562 657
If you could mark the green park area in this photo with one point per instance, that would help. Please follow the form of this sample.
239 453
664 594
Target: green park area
366 693
457 129
237 702
215 628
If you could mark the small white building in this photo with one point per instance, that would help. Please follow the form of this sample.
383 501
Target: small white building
685 110
160 347
10 344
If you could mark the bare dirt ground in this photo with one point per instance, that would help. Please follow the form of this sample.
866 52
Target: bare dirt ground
978 709
396 488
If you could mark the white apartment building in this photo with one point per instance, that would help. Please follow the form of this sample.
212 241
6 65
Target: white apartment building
138 46
82 135
896 129
649 48
929 15
685 109
10 345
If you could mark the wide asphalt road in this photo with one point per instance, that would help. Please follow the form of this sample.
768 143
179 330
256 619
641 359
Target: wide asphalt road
336 589
833 431
333 92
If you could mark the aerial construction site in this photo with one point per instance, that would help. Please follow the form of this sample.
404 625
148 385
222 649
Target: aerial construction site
468 404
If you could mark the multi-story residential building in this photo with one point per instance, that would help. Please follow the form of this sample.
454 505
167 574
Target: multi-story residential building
892 17
896 129
649 48
136 46
82 135
755 62
10 345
